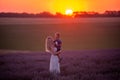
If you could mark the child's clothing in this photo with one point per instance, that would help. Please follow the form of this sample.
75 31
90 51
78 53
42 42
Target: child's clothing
58 43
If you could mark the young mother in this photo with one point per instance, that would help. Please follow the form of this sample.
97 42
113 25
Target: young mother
54 60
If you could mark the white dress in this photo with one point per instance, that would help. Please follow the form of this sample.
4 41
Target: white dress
54 64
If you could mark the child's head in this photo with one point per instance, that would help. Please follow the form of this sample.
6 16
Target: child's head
57 35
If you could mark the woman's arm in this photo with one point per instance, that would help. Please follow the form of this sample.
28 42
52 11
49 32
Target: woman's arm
55 53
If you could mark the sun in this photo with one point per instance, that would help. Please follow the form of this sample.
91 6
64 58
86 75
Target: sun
69 12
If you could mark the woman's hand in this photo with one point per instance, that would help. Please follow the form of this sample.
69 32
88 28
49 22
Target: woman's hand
59 52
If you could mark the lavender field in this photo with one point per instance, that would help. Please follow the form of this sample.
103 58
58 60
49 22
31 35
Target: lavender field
76 65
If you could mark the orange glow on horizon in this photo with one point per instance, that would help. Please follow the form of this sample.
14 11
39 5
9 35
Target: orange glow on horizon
53 6
63 5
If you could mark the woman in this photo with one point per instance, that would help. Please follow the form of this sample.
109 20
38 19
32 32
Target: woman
54 60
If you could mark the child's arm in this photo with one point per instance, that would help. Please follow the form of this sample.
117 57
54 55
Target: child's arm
59 52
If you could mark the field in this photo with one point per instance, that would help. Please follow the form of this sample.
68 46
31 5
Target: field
82 34
76 65
91 48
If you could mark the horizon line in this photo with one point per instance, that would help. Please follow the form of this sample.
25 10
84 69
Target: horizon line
55 12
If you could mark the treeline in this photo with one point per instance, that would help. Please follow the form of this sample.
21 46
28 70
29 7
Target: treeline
25 15
59 15
96 14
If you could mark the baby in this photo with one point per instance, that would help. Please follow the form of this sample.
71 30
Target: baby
58 44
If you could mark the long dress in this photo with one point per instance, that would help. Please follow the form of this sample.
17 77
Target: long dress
54 65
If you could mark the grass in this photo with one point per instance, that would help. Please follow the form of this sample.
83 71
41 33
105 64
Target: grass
76 65
83 33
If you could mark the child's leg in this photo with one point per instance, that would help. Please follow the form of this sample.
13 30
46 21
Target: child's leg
59 57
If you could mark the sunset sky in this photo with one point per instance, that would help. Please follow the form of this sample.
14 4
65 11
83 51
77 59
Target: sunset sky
53 6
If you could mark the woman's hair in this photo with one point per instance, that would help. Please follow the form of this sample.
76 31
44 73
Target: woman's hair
48 44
